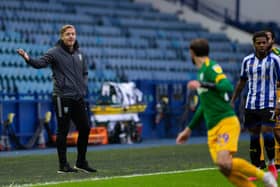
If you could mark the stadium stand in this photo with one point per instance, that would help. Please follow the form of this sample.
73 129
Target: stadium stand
118 37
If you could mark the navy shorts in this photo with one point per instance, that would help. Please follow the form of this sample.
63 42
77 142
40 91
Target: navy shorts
254 118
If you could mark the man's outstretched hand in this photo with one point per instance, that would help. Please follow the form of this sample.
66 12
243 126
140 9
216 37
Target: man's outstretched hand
23 54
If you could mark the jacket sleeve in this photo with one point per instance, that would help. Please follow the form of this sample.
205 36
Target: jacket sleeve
42 62
196 118
85 72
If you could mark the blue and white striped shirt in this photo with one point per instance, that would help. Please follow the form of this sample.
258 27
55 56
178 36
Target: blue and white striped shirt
262 76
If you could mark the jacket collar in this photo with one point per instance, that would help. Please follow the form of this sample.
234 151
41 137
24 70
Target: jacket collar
63 46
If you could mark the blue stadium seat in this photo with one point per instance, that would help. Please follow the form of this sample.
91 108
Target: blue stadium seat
118 37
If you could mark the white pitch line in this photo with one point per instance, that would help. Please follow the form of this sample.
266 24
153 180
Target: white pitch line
114 177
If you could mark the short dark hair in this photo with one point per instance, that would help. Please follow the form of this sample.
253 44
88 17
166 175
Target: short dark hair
200 47
259 34
270 31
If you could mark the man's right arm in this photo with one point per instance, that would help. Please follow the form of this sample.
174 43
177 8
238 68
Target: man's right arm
238 89
196 118
185 134
42 62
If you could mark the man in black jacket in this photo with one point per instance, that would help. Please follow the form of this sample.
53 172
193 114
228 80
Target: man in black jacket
70 77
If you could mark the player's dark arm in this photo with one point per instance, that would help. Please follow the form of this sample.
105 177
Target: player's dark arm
196 118
238 89
278 84
277 107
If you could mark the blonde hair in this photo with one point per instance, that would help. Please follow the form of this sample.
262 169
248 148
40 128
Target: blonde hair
64 28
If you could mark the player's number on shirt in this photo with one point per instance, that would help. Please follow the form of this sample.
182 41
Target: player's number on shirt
272 118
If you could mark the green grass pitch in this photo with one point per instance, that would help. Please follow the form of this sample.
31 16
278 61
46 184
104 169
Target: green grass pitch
145 167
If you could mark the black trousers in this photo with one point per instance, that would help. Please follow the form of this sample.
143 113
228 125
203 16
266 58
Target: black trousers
76 110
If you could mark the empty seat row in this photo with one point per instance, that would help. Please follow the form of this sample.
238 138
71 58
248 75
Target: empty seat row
20 5
221 46
113 41
244 48
32 87
33 49
102 75
147 15
160 75
172 66
128 53
26 73
163 34
122 5
11 36
157 24
11 60
54 17
216 37
227 56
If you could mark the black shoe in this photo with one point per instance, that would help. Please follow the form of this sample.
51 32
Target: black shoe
66 169
84 167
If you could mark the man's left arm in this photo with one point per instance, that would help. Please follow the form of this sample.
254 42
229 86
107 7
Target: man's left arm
277 69
217 80
221 85
85 71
